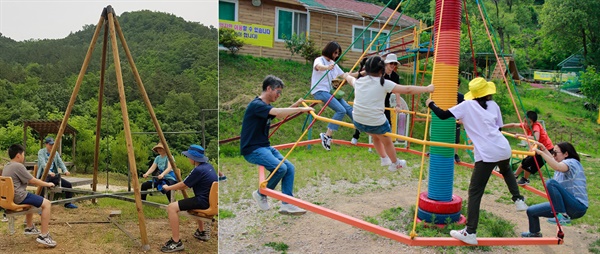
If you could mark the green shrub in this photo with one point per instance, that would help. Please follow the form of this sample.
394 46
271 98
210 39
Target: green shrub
229 39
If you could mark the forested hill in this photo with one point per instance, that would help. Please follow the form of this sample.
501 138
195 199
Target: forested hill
177 61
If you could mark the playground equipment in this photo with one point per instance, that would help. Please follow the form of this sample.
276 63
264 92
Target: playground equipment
111 26
447 30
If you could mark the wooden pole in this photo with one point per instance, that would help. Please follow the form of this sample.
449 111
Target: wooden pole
99 114
63 125
128 139
140 85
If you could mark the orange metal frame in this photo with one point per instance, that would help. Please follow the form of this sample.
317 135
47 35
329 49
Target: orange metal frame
397 236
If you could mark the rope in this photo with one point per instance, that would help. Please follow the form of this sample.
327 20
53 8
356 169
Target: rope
263 184
560 233
413 232
512 83
413 120
470 38
327 72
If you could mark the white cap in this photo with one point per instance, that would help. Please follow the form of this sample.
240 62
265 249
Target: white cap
391 58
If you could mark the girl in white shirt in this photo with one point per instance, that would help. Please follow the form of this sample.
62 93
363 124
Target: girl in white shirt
369 117
324 71
482 120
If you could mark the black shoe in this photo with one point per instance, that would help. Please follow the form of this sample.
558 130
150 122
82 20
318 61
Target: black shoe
202 235
172 246
456 158
523 181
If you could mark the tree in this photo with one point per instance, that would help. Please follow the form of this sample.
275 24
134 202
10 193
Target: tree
570 25
229 39
590 85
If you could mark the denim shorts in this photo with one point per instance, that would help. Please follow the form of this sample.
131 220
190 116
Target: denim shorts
381 129
32 199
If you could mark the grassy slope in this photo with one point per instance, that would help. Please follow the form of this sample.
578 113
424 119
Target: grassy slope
240 81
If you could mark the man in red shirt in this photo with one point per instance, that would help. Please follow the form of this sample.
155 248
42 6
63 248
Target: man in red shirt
539 133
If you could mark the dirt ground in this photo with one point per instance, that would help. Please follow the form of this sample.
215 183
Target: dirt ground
251 229
101 237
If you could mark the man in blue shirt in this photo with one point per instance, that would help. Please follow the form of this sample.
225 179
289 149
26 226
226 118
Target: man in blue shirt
200 180
255 145
57 167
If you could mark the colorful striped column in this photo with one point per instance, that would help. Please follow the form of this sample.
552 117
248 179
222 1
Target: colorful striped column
445 78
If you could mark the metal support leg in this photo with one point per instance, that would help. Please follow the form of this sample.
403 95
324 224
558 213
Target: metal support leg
11 225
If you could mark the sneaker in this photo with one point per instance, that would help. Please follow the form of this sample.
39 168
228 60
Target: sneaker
523 181
386 161
70 206
32 231
4 219
172 246
354 141
261 201
398 165
222 178
456 158
325 141
563 219
529 234
202 235
46 240
521 206
290 209
464 236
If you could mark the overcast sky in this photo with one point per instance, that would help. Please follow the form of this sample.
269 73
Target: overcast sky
54 19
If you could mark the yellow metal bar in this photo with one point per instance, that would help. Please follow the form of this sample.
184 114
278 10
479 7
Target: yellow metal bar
412 140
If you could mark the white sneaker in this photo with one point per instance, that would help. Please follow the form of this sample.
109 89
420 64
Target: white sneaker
261 201
325 141
385 161
46 240
464 236
290 209
521 206
398 165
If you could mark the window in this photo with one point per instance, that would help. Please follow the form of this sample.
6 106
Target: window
361 44
290 22
228 10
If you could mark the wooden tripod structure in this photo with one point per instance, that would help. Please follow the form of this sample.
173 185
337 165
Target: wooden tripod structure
111 27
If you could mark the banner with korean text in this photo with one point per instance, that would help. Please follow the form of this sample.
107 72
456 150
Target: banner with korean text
257 35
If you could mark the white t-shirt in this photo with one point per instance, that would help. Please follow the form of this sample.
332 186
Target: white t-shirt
482 127
369 96
325 83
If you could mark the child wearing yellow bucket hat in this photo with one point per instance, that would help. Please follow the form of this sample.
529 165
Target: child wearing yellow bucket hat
482 120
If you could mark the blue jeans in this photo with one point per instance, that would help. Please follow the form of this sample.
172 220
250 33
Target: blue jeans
340 106
563 201
269 157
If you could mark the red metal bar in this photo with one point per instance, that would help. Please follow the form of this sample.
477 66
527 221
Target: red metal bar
397 236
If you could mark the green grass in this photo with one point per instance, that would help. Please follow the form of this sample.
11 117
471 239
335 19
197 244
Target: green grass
595 247
224 214
241 78
278 246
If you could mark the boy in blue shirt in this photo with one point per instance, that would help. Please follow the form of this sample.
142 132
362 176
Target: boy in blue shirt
200 180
